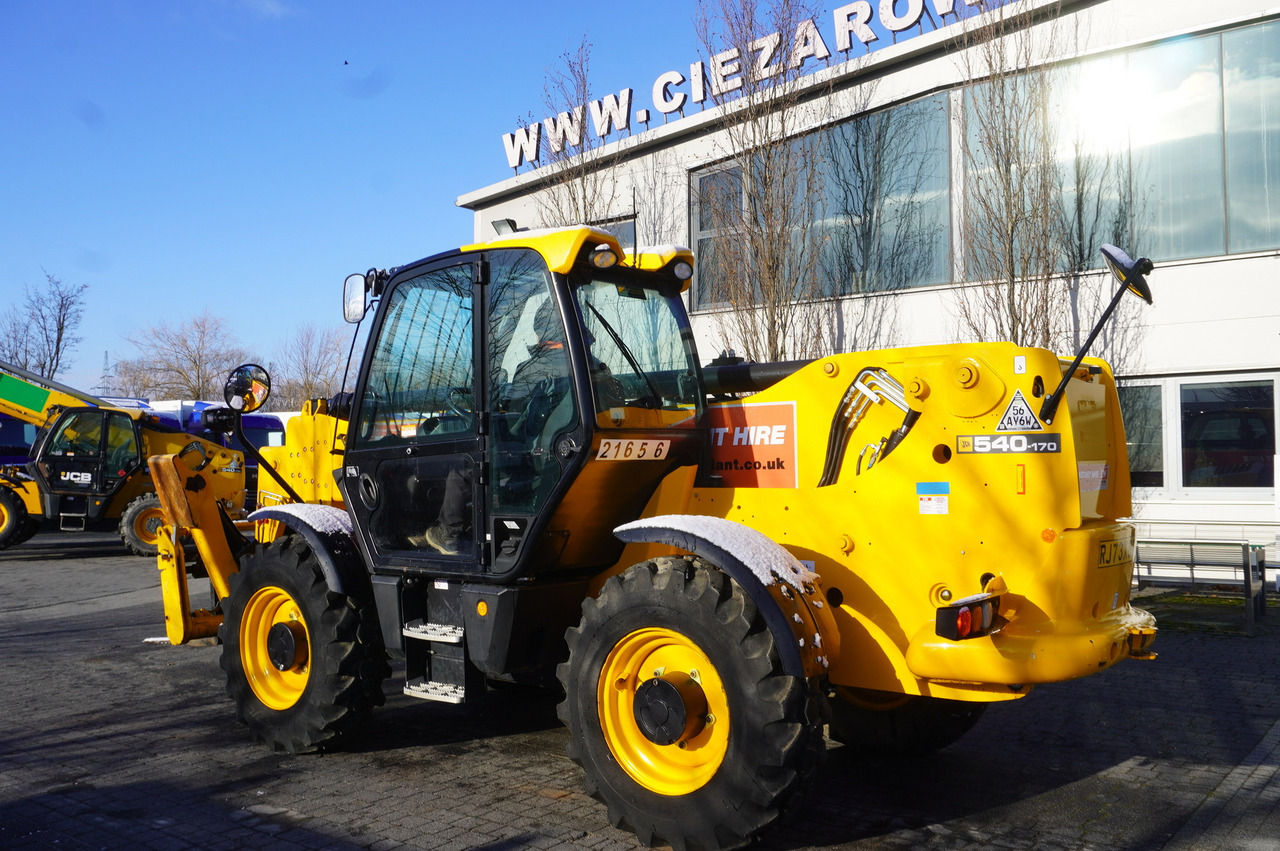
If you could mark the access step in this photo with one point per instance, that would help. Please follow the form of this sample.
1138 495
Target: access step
431 690
441 633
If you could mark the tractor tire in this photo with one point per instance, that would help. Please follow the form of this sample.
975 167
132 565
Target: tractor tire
679 712
877 723
14 521
304 664
140 524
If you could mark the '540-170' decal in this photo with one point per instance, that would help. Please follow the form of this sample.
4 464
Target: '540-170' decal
998 443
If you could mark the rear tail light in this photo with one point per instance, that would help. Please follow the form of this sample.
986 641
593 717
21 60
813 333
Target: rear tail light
968 618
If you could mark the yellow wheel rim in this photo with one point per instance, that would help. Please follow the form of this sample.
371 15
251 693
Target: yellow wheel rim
6 517
277 689
674 769
147 524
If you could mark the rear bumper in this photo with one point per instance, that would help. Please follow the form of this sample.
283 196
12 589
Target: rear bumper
1047 652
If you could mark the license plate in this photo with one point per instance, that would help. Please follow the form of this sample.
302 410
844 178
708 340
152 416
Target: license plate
1111 553
633 450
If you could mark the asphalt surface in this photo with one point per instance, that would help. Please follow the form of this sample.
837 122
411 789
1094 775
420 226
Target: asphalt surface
108 741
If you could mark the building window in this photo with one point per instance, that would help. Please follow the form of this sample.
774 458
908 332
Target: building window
1197 438
624 229
886 194
1251 88
873 200
1144 431
1228 434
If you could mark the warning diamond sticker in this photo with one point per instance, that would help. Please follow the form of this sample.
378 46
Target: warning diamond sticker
1019 416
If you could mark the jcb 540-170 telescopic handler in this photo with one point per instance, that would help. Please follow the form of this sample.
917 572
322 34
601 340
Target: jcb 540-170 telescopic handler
536 475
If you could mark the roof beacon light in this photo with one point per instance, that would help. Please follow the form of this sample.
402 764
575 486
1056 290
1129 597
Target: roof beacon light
604 257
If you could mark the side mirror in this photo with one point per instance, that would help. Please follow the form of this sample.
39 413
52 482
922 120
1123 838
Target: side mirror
1129 272
247 389
354 301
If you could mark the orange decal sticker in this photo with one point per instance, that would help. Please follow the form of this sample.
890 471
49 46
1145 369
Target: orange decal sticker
753 445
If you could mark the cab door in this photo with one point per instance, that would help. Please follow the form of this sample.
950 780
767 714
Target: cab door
87 457
415 449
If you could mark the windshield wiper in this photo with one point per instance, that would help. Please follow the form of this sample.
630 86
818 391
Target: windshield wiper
626 353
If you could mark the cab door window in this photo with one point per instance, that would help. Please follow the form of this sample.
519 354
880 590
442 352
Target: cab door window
420 378
79 436
123 455
419 403
530 386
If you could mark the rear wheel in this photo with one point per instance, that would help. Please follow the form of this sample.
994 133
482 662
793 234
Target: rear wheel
679 712
140 525
13 518
304 665
880 723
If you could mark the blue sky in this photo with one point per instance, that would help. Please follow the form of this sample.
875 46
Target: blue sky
244 156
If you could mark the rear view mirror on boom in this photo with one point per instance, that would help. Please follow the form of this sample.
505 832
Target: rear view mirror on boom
1131 275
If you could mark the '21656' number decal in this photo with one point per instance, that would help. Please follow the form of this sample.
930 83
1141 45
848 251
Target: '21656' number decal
633 450
987 443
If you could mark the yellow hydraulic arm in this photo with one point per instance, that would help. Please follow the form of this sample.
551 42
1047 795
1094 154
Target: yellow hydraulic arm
33 399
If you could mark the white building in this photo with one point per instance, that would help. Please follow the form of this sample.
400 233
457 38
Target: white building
1184 97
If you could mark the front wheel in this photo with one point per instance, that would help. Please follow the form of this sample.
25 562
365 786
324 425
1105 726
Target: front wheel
140 524
14 521
304 665
678 709
877 723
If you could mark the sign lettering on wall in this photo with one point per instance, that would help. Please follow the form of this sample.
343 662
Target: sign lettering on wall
672 91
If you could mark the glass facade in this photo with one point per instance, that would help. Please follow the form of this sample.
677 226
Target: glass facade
877 208
1171 151
1251 88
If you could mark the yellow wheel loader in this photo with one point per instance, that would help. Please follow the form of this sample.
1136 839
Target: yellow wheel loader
88 463
535 476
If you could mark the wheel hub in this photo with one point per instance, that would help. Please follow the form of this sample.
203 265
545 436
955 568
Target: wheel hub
286 645
668 712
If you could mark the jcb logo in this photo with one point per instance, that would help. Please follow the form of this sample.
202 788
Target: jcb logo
78 478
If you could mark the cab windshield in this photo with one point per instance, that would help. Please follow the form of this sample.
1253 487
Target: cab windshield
643 364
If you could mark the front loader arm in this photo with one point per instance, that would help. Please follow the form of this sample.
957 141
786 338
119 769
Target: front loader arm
193 486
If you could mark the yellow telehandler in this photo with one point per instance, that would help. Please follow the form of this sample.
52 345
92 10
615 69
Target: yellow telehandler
87 463
535 474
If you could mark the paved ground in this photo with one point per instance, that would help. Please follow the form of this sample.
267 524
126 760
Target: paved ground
107 741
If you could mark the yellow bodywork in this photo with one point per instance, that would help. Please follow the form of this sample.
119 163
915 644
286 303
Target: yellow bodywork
935 521
980 496
305 461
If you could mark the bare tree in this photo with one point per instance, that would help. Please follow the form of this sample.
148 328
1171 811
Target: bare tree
40 334
764 205
187 361
579 183
881 172
1012 233
308 365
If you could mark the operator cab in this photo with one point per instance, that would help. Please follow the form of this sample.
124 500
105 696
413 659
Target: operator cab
516 442
83 460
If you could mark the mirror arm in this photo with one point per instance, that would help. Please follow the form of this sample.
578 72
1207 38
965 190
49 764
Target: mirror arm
253 452
1050 406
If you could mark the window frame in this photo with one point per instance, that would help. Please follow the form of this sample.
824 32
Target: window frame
1171 437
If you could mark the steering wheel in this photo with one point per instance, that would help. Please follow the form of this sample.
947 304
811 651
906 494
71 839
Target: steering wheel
460 401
